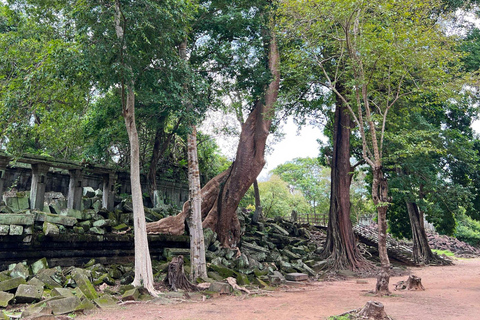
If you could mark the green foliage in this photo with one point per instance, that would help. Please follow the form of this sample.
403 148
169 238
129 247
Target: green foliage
448 253
468 230
276 198
310 178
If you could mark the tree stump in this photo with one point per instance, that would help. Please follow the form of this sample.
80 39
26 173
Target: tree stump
373 310
176 278
415 283
381 287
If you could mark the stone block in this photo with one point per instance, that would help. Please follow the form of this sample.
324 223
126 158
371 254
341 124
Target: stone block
5 298
242 279
57 205
49 278
276 278
55 218
88 192
4 229
5 275
27 293
97 206
36 282
254 247
132 294
221 287
294 276
276 228
18 203
77 214
84 284
106 301
20 271
50 229
21 219
39 265
97 230
11 284
172 252
16 230
63 292
65 305
102 223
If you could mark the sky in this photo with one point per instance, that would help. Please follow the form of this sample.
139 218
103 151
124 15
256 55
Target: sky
294 144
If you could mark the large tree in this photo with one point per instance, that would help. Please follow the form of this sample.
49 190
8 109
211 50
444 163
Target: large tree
222 194
385 51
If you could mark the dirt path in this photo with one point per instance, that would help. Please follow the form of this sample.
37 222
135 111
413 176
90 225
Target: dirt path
451 293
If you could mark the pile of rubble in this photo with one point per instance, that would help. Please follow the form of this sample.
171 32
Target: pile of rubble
459 248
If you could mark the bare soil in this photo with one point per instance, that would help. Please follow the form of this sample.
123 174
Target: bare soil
452 292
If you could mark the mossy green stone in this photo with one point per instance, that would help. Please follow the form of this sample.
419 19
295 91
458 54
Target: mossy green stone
131 294
65 305
5 298
20 271
106 301
84 284
11 284
27 293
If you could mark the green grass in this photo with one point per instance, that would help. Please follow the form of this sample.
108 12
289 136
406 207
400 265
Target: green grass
448 253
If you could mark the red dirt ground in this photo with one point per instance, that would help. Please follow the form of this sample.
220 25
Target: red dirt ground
452 292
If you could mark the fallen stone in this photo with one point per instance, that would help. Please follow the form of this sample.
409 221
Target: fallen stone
97 230
36 282
88 192
50 229
23 219
221 287
172 252
39 265
77 214
64 305
49 278
84 284
276 278
278 229
296 276
255 247
106 301
56 219
20 271
18 203
102 223
62 292
11 284
131 294
27 293
5 298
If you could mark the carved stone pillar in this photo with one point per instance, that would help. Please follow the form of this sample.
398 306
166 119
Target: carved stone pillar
75 189
108 191
37 190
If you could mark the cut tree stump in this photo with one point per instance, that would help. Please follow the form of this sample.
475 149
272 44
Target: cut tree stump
176 278
413 283
373 310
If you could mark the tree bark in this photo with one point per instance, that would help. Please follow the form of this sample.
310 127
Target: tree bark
143 263
176 278
223 193
421 249
380 199
341 245
373 310
257 215
194 218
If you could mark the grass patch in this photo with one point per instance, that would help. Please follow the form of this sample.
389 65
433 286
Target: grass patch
448 253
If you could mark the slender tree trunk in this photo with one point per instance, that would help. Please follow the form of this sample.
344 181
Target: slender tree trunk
421 249
194 218
223 193
380 199
152 171
341 244
143 263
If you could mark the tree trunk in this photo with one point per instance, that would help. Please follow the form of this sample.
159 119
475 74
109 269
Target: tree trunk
421 249
223 193
341 245
373 310
258 214
152 171
143 263
380 199
176 278
194 217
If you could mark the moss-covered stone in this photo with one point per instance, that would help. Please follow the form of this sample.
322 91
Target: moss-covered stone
106 301
5 298
11 284
49 278
4 229
242 279
27 293
64 305
97 230
22 219
84 284
131 294
77 214
20 271
16 230
50 229
223 271
62 292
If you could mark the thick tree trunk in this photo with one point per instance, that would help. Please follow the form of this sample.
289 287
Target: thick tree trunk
223 193
176 278
380 199
373 310
194 217
143 263
341 245
421 249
